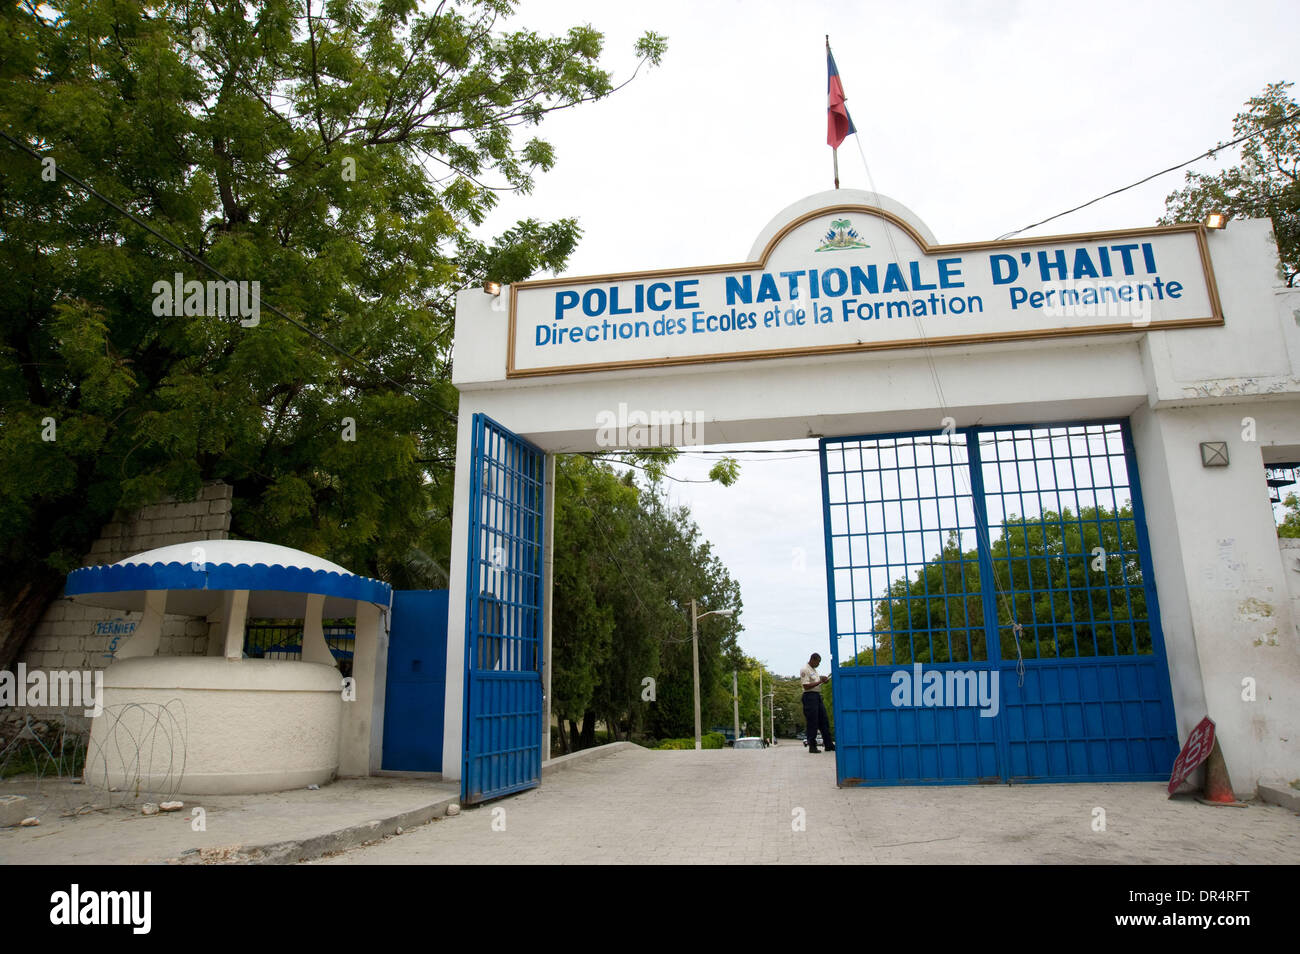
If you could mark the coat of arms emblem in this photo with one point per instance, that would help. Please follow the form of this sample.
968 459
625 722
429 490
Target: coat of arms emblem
842 235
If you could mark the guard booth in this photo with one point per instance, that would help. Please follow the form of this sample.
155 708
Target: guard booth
1049 546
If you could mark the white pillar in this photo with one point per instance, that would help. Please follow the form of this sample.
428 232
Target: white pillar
234 614
361 736
314 647
148 634
453 711
548 578
1222 587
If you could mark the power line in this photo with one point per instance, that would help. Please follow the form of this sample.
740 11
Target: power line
80 183
1205 155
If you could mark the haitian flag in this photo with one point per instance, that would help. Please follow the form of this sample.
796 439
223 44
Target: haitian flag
838 124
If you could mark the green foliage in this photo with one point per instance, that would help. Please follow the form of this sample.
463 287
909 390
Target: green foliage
339 154
708 740
1265 185
626 567
726 471
1290 525
789 708
1044 566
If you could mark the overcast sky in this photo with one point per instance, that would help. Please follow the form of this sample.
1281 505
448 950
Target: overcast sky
981 116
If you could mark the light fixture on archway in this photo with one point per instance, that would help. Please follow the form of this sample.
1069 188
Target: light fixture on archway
1216 220
492 288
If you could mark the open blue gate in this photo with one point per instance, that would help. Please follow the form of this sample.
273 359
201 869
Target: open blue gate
503 616
993 611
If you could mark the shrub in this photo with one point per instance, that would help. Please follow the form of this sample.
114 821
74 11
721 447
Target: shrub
713 740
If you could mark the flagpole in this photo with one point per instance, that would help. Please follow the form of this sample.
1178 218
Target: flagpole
835 151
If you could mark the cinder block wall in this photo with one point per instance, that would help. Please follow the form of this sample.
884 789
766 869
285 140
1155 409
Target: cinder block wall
75 637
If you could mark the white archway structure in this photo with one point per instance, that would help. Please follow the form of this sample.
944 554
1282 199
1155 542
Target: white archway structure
1182 377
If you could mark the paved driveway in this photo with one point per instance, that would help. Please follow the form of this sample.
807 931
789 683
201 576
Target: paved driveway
638 806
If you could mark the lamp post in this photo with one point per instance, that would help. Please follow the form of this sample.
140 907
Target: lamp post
735 706
696 616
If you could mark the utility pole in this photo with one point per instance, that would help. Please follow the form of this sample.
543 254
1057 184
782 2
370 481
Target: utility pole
696 616
735 705
695 653
760 700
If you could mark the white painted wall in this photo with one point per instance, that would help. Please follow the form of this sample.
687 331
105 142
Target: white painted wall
1222 589
218 726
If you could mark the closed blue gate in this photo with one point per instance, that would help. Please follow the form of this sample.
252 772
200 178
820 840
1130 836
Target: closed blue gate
503 616
993 612
417 681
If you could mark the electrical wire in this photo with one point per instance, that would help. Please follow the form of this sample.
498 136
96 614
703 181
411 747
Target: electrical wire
1284 120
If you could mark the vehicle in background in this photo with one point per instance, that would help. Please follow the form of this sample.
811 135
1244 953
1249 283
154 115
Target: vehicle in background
749 742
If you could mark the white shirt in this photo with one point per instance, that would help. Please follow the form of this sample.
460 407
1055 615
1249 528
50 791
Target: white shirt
808 677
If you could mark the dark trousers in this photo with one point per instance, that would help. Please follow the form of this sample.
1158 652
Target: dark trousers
814 712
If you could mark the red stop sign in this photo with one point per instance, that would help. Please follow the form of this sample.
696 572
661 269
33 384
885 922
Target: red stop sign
1195 751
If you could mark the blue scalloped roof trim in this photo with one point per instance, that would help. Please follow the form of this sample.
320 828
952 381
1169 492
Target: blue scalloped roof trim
225 576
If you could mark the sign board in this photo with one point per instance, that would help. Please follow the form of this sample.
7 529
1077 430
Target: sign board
1196 750
858 278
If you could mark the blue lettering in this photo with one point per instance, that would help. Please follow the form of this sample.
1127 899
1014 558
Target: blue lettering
1045 267
661 304
613 303
740 289
894 279
917 284
683 291
841 280
563 302
863 281
1126 252
1004 268
950 272
593 303
1083 267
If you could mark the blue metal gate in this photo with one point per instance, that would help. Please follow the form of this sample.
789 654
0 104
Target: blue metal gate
416 691
503 616
993 612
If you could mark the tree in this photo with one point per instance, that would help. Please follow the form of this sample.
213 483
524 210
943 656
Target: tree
592 517
1264 185
626 567
1073 582
340 154
1290 525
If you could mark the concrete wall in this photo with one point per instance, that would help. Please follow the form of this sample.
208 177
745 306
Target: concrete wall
1228 616
71 636
1221 585
201 726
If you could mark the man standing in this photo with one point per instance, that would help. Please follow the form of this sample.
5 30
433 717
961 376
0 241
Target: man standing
814 710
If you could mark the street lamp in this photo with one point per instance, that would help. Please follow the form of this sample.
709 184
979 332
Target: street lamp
696 616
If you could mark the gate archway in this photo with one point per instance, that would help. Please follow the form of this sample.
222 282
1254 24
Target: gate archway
826 338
